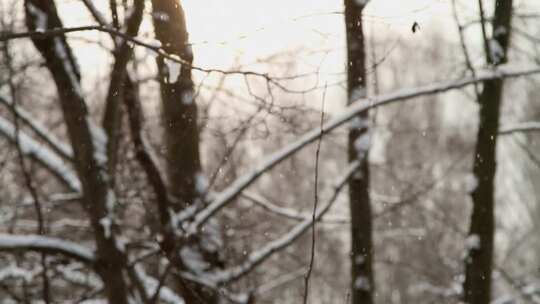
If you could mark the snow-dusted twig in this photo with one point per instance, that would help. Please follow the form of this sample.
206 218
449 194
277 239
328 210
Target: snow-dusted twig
315 205
530 126
43 155
279 281
61 148
230 193
287 212
259 256
166 294
9 242
202 280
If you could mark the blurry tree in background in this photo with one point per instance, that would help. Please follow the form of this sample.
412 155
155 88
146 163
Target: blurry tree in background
196 185
362 286
479 259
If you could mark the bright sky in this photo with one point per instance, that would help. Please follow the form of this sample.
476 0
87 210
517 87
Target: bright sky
224 31
246 30
259 28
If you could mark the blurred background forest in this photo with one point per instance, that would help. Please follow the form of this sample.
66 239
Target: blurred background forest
189 151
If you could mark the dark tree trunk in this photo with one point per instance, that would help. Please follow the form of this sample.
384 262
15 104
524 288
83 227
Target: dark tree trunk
362 283
479 260
89 147
185 179
179 108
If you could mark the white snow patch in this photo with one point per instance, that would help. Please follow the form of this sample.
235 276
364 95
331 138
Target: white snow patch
14 271
106 223
161 16
120 244
500 30
201 183
359 259
362 283
471 183
472 242
173 69
358 93
361 144
154 43
358 123
109 203
99 139
193 259
496 50
187 97
40 18
61 52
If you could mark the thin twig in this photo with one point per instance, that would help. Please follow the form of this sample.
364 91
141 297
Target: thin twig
315 201
26 174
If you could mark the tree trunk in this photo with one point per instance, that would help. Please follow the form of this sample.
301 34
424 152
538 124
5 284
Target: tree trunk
362 283
89 146
185 180
479 260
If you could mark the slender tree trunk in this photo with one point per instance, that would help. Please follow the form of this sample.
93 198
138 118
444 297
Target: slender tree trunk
362 283
185 180
89 146
179 108
479 260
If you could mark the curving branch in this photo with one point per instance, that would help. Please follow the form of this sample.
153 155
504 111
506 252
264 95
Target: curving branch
529 126
44 244
230 193
261 255
287 212
42 154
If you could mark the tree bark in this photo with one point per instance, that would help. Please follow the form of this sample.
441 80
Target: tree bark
179 108
88 144
479 259
184 174
362 282
112 117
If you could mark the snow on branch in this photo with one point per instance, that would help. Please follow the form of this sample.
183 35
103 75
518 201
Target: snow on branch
259 256
287 212
530 126
358 107
166 294
41 131
10 242
42 154
201 280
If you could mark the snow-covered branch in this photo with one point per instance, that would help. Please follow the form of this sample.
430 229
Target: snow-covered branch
350 112
201 280
530 126
42 154
166 294
287 212
61 148
259 256
9 242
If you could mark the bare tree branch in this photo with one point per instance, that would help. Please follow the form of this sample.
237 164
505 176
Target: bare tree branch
61 148
9 242
259 256
530 126
230 193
